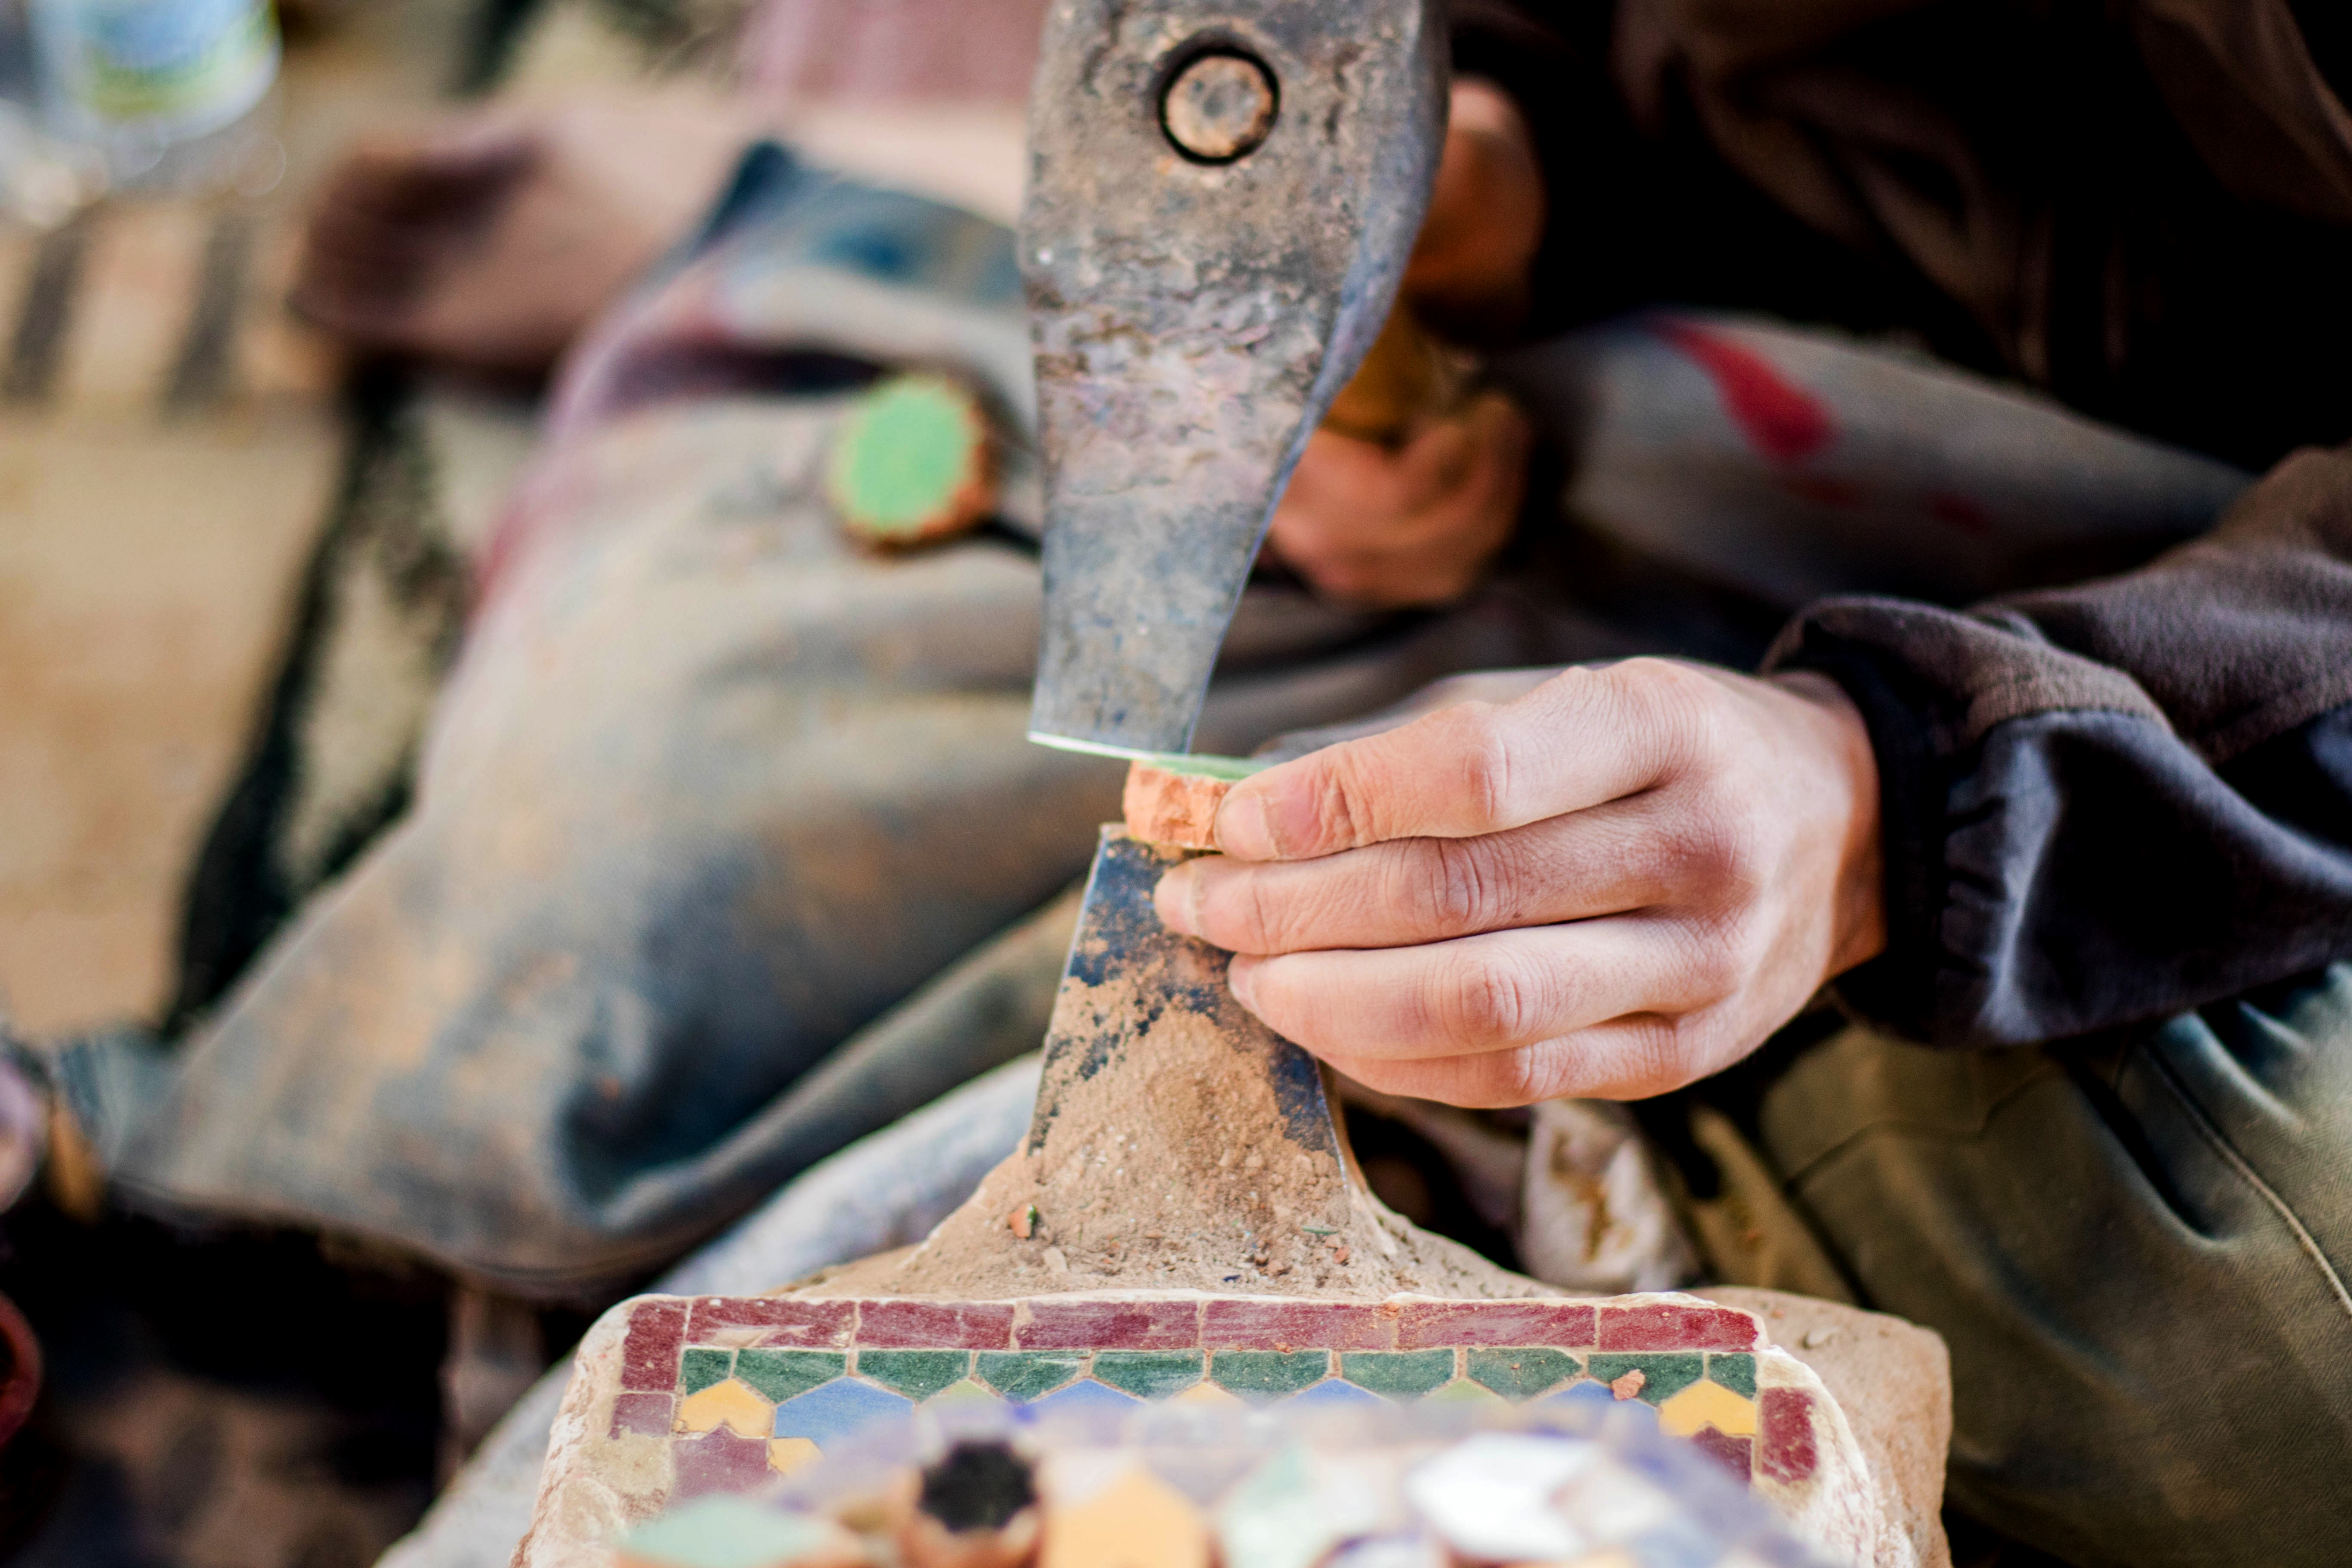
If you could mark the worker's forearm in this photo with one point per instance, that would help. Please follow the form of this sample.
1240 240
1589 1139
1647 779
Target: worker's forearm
2113 802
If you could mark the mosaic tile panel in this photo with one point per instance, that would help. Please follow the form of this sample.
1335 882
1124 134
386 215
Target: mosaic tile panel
746 1388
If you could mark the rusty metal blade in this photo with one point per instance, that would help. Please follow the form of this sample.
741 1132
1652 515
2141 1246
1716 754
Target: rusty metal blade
1145 1012
1192 320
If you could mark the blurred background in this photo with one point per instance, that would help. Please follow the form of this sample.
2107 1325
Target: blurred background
221 543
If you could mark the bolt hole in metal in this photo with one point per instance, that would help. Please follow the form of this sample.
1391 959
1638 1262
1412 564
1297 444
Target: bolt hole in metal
1219 106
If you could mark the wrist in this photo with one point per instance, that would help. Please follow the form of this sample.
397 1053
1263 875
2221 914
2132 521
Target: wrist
1849 773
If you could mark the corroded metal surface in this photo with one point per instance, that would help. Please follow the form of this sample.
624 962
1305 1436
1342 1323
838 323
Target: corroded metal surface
1127 975
1193 318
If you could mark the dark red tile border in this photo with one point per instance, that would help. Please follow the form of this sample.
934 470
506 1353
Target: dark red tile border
646 1415
1111 1326
1278 1324
1666 1326
940 1325
819 1324
649 1353
1784 1434
1435 1325
717 1462
1732 1453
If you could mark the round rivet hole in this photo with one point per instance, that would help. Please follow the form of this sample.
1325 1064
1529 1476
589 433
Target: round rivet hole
1218 106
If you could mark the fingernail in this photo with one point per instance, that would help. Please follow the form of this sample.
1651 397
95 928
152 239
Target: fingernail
1246 828
1173 899
1242 979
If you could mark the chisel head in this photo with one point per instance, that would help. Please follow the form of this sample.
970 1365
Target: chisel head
1222 198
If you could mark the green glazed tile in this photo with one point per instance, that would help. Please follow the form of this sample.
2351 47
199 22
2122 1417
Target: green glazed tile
917 1374
781 1374
1269 1374
1521 1374
1736 1371
1149 1374
1462 1391
699 1369
1022 1375
1399 1373
1664 1373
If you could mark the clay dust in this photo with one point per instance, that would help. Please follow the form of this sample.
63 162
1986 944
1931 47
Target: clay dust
1172 1173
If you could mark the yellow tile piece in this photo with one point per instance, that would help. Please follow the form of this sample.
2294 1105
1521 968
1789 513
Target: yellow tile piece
1462 1391
1207 1392
1707 1404
964 1391
786 1455
734 1405
1136 1522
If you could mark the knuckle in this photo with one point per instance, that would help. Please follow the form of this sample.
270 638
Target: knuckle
1674 708
1256 919
1348 805
1490 999
1455 890
1521 1075
1484 757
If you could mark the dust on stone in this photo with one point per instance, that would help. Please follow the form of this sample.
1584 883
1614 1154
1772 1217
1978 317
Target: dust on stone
1154 1196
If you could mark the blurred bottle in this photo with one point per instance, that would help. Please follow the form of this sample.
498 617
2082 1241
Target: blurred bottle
172 94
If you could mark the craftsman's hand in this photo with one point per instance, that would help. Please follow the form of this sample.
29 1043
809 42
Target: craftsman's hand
1382 530
1612 887
1415 524
1470 273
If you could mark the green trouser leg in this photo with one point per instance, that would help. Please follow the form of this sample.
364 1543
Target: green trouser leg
2137 1253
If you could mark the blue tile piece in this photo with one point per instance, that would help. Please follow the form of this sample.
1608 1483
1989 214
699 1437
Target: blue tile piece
1333 1393
1086 1395
826 1415
1584 1403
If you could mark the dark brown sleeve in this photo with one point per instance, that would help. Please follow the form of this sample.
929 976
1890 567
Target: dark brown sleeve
2113 802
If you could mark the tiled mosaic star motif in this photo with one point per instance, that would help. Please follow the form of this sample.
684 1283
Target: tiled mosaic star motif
746 1388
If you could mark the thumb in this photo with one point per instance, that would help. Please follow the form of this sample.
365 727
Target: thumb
1586 736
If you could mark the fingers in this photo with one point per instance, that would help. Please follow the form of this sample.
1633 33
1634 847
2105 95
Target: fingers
1382 529
1586 736
1486 219
1626 1058
1496 992
1614 858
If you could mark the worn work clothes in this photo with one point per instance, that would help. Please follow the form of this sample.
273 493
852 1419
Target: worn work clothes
2146 208
2137 1248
